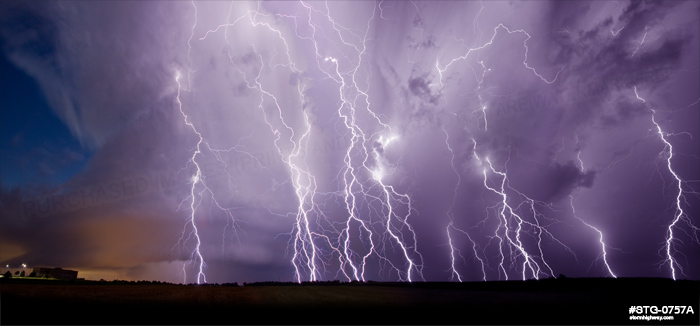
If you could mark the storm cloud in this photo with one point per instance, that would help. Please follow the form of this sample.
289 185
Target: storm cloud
260 134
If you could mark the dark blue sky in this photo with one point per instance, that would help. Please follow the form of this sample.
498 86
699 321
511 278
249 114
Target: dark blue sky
37 148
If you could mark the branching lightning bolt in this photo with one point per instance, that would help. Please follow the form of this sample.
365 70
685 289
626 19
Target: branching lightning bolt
680 215
451 224
195 180
604 252
495 33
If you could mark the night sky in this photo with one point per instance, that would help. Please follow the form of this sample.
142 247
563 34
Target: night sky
393 140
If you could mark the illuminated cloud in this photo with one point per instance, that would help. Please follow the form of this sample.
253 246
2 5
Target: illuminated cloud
355 140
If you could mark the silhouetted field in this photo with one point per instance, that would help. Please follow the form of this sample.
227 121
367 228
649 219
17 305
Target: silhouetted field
551 301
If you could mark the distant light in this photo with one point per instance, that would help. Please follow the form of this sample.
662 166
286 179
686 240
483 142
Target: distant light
24 265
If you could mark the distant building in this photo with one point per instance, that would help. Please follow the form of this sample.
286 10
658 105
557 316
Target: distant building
60 273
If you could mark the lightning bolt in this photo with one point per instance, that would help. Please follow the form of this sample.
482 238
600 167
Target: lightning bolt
680 215
578 155
614 33
604 253
451 224
442 70
640 41
196 178
455 273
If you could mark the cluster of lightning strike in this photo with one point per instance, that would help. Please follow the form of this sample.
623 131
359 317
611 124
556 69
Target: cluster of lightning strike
529 260
524 257
518 234
518 219
374 208
680 217
376 224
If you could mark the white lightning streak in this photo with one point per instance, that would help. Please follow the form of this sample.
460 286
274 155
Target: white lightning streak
600 239
195 179
640 43
495 32
680 214
450 225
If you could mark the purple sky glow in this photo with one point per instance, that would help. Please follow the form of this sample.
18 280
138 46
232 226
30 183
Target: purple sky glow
388 140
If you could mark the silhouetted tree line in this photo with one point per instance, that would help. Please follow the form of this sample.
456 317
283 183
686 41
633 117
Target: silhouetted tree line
135 282
213 284
167 283
8 274
304 283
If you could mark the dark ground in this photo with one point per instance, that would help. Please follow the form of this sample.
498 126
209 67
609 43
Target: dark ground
551 301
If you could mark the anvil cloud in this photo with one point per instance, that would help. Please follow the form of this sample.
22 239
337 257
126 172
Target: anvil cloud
380 140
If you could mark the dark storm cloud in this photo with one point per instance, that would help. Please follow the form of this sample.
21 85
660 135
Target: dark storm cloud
560 117
554 182
82 71
102 72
